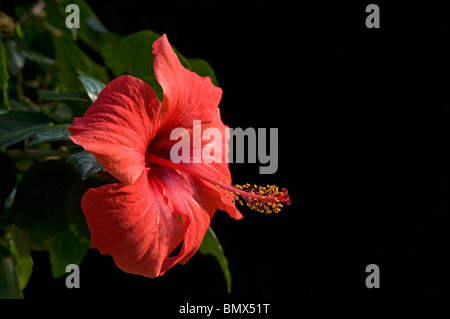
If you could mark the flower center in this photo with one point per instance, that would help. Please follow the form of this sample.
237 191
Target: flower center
262 199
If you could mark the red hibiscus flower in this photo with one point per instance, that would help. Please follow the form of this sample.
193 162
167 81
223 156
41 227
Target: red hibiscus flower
158 205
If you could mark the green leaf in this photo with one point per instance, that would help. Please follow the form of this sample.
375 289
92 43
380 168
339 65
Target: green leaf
64 96
17 126
137 57
9 284
86 163
109 45
210 245
98 37
77 221
39 205
62 113
92 86
184 62
50 133
15 59
136 53
7 183
70 58
74 32
4 76
77 109
17 106
36 56
68 55
63 250
8 179
203 68
20 250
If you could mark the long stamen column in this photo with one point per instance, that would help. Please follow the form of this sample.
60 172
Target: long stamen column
262 199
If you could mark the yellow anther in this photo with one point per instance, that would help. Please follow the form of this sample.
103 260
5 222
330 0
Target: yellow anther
263 199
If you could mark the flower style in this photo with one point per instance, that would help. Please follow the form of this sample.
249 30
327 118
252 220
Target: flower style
158 205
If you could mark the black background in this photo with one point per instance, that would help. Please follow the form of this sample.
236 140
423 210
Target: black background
363 149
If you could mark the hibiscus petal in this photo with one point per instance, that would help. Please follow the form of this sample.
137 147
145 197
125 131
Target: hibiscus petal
211 161
186 95
195 205
118 127
214 165
133 224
